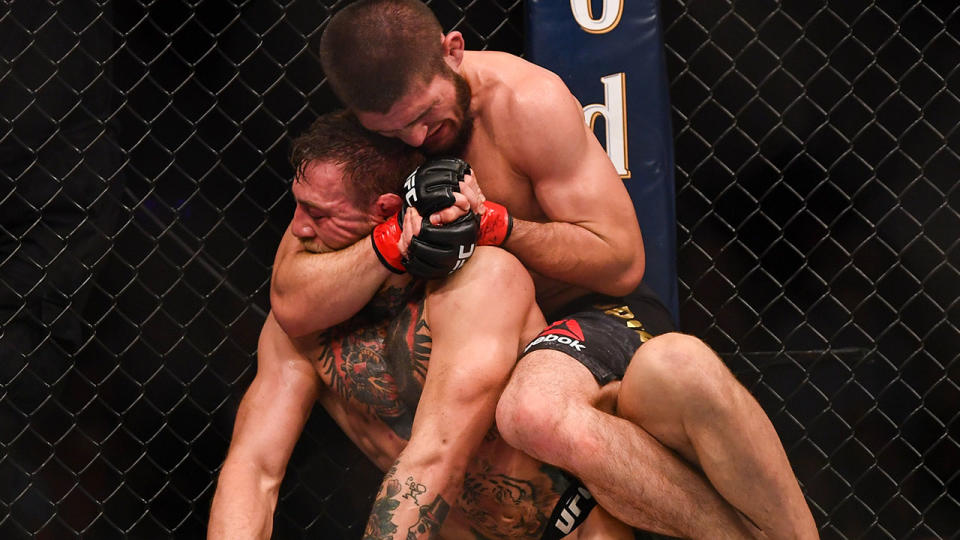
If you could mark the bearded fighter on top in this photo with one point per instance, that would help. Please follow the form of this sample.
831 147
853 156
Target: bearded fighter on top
683 448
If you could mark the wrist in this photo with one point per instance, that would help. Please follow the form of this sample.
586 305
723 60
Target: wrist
385 239
496 224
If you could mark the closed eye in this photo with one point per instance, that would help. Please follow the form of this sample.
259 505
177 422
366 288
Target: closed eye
395 132
313 211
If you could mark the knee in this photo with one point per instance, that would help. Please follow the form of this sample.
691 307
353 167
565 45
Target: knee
493 267
522 415
493 274
679 367
530 418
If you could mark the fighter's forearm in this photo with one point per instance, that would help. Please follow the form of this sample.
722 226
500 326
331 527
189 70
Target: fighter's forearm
413 501
243 504
574 254
310 292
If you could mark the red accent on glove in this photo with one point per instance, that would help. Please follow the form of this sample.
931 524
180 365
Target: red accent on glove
385 238
495 225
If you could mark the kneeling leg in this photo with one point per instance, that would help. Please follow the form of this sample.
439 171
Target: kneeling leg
680 391
548 411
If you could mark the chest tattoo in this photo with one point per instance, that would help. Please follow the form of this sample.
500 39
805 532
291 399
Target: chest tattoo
377 360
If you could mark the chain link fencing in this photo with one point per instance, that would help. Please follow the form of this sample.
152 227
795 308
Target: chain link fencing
145 189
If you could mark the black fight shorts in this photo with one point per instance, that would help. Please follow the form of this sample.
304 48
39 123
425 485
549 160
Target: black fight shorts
602 332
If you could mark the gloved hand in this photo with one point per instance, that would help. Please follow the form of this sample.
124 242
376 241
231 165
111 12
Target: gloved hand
430 188
439 250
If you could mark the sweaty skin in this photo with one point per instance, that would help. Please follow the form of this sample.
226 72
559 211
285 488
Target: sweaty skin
575 230
373 369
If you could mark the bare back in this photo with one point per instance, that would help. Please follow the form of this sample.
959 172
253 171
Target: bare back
373 369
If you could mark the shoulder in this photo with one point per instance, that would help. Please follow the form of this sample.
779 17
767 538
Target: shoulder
528 92
460 305
527 108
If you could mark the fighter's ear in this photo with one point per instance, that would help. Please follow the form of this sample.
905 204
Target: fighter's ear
387 205
453 46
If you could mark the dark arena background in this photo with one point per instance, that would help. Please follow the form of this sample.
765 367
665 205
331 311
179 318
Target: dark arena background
145 187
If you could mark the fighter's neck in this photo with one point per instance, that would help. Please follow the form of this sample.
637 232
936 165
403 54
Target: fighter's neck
479 68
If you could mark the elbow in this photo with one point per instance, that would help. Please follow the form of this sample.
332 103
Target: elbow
626 275
286 315
281 312
631 277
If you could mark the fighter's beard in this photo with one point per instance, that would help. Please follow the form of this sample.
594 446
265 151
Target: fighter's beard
313 246
310 247
459 144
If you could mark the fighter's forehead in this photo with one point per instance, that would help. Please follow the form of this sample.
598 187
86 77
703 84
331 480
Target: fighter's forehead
321 171
319 178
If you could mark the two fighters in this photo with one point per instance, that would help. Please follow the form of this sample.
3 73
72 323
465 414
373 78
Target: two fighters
413 378
688 451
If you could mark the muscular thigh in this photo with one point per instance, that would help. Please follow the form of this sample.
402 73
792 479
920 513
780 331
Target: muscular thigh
552 375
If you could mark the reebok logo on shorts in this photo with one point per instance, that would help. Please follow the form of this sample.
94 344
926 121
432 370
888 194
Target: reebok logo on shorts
565 331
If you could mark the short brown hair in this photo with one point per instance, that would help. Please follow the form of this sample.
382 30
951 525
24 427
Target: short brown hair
373 51
372 164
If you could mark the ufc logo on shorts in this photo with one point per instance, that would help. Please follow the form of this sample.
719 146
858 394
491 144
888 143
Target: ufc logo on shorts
462 257
571 511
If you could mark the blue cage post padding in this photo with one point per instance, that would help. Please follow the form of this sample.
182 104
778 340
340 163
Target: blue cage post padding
610 54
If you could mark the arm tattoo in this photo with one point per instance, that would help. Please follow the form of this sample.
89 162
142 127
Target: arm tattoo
381 525
431 518
431 515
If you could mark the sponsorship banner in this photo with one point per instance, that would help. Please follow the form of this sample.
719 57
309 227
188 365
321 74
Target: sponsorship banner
610 54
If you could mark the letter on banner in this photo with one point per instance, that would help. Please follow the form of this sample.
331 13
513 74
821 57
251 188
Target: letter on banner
614 113
609 17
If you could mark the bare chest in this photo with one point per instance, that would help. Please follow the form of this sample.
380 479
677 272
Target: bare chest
377 361
499 179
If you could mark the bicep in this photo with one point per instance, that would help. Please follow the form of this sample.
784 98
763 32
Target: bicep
572 176
277 404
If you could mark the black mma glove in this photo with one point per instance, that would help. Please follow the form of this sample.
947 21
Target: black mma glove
430 188
439 250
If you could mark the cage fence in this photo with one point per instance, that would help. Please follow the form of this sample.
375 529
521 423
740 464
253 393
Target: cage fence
145 190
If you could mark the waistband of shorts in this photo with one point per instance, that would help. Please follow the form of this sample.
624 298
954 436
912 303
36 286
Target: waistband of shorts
642 292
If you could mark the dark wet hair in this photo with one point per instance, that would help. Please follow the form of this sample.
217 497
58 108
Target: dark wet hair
372 164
